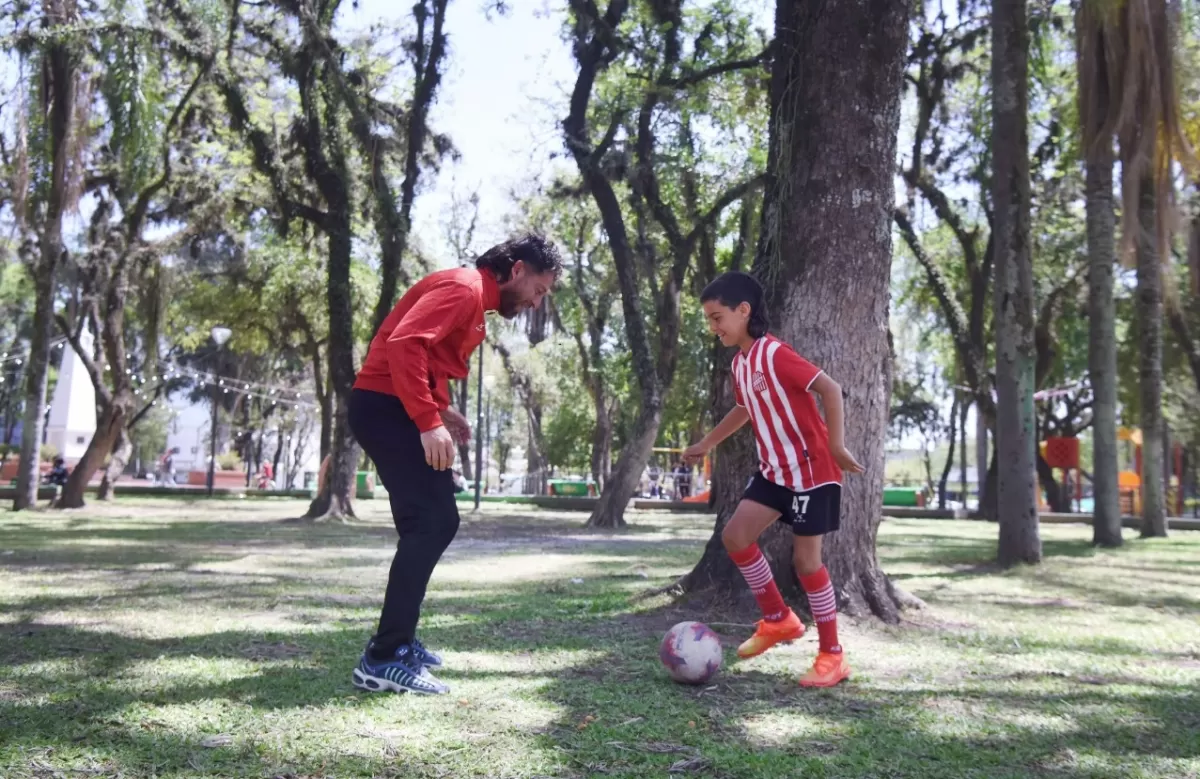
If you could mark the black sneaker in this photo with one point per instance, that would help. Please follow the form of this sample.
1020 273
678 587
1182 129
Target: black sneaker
402 673
427 658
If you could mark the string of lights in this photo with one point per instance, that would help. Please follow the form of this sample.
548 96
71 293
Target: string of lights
277 395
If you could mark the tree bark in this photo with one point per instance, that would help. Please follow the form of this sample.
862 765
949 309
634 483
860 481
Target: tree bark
464 448
108 427
60 79
326 162
610 509
963 410
982 466
336 501
118 459
1150 371
601 445
1016 424
835 110
37 373
949 455
1057 496
1102 345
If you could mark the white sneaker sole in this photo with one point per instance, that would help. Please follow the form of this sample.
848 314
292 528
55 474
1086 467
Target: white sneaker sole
379 684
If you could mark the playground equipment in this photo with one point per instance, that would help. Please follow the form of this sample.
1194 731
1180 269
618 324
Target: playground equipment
1130 479
913 497
1063 454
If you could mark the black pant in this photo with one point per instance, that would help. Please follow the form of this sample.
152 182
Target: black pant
423 508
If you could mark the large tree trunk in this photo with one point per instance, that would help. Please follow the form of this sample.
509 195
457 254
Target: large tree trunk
59 82
835 105
1102 345
37 373
464 448
1016 425
962 450
950 454
601 440
335 502
1150 372
323 382
982 465
109 427
610 509
116 466
1058 497
535 461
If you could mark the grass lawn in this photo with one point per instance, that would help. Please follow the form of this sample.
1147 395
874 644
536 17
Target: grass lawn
164 639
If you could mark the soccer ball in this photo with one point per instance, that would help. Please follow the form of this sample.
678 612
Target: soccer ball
691 653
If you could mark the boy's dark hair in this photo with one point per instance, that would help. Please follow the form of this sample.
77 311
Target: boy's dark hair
734 288
532 249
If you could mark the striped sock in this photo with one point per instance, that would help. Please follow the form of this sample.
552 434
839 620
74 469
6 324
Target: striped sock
823 604
754 567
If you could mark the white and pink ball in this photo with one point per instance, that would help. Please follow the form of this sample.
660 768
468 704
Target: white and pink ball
691 653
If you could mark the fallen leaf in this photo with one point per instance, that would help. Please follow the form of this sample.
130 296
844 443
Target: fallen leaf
222 740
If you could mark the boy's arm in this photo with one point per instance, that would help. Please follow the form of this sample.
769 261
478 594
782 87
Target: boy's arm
835 420
732 422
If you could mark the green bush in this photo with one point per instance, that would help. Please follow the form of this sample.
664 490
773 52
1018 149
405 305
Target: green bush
48 452
229 462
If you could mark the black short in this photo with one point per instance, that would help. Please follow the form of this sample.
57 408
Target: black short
812 513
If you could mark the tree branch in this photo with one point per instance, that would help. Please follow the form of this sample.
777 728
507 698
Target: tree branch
691 78
727 198
89 364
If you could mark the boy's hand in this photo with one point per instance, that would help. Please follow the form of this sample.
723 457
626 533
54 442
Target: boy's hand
845 460
695 453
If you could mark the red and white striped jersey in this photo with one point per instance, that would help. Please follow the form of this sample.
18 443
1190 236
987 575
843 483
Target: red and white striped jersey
772 382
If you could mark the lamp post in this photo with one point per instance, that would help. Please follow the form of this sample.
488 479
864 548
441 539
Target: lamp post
479 432
487 428
219 335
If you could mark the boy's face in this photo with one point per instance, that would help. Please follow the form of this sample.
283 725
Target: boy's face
729 325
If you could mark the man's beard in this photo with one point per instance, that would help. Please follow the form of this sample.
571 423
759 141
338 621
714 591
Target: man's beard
510 304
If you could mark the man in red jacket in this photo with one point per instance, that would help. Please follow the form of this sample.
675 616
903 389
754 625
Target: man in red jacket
400 413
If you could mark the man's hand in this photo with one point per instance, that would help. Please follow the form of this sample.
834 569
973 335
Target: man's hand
695 453
845 460
439 448
457 424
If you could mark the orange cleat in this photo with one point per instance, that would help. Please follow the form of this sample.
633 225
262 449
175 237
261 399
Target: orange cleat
768 634
828 670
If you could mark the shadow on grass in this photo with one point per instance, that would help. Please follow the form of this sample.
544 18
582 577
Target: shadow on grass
91 544
956 550
71 687
627 720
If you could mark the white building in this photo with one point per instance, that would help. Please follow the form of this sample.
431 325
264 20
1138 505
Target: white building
72 421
